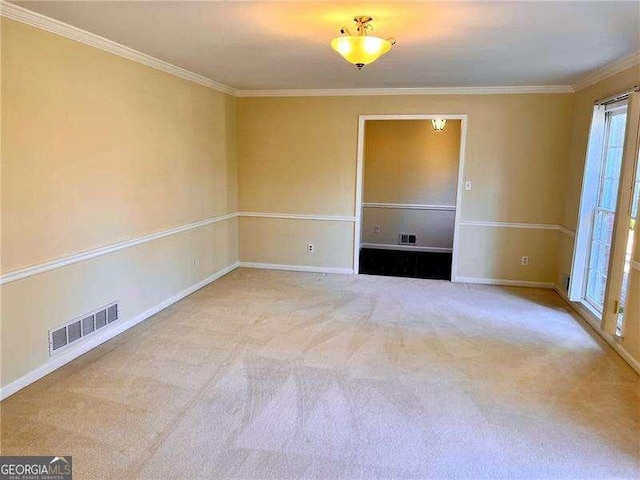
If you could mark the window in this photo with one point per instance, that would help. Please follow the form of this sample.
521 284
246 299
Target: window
604 211
602 257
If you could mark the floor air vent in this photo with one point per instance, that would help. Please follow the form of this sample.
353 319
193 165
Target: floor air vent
69 333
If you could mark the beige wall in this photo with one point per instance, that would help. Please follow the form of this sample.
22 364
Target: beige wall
584 101
501 250
97 149
139 278
298 155
434 228
284 242
406 161
86 131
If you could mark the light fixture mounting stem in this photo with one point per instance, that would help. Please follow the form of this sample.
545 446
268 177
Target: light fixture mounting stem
363 24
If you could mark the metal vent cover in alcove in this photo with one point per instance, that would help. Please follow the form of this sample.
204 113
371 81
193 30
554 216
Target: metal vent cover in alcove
407 239
87 324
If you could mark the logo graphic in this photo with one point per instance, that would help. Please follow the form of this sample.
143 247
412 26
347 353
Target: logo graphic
35 468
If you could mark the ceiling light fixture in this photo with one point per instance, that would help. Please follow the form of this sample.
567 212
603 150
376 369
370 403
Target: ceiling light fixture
361 49
438 124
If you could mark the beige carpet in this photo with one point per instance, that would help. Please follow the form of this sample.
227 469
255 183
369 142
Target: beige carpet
295 375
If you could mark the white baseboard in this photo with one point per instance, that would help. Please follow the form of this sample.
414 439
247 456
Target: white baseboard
296 268
410 248
587 316
593 323
502 282
53 363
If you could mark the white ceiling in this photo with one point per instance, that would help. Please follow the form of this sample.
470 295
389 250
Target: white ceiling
283 45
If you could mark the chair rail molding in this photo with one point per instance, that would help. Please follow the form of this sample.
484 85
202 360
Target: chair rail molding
409 206
298 216
566 231
533 226
97 252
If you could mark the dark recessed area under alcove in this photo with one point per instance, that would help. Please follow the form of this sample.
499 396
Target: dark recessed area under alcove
396 263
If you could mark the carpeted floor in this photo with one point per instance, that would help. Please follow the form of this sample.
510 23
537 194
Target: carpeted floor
294 375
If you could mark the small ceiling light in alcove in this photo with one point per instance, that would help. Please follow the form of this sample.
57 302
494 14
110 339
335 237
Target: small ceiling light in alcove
361 49
438 124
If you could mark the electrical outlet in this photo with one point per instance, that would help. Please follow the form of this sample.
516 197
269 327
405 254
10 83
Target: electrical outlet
310 248
377 229
524 261
195 262
467 185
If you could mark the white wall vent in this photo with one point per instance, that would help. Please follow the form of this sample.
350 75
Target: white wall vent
112 313
67 334
101 319
407 239
88 324
74 331
58 338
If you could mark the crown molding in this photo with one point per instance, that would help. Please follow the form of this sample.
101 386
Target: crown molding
20 14
52 25
346 92
14 12
607 71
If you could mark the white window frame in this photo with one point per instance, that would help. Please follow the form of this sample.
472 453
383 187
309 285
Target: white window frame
618 108
588 202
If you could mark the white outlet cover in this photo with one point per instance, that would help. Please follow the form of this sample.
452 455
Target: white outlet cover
377 229
467 185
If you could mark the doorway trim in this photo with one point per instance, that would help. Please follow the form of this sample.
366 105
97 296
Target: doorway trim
357 234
